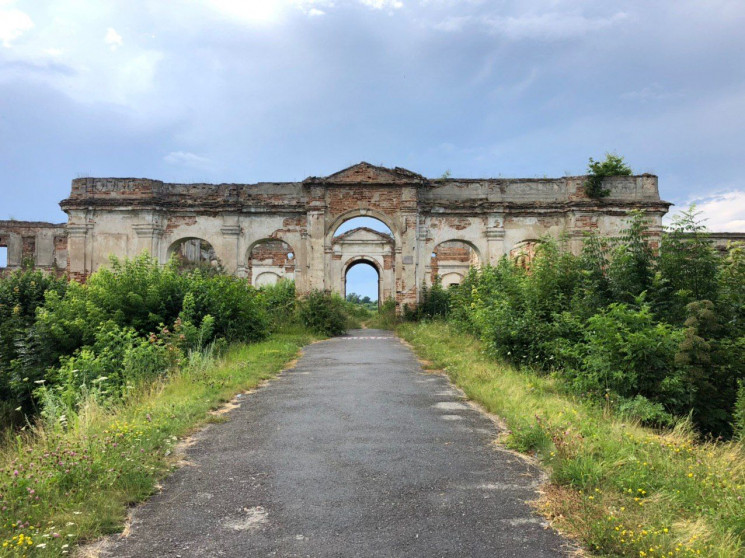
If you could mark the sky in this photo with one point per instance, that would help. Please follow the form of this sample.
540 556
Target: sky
229 91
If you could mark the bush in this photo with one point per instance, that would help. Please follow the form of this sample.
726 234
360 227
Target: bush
629 354
645 411
739 413
386 317
323 313
613 165
661 331
125 325
280 303
21 294
233 304
434 301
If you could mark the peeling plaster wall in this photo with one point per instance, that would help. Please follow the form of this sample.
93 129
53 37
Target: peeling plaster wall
124 216
43 245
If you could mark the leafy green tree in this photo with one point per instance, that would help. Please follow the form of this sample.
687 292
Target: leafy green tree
630 272
21 294
434 301
593 289
711 387
688 267
732 289
629 353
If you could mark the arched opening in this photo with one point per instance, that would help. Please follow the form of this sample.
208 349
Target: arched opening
363 223
523 253
451 261
266 278
362 281
450 279
192 253
270 260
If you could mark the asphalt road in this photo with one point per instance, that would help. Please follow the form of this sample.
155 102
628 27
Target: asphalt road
354 452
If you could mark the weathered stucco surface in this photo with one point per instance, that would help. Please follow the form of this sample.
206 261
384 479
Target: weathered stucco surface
33 243
270 230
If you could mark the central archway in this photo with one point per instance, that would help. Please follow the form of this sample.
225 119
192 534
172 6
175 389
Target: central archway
359 239
366 261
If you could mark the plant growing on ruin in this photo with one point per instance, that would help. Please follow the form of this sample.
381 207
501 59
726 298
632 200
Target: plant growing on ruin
613 165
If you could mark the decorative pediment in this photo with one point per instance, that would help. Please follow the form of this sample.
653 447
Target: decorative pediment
363 234
365 173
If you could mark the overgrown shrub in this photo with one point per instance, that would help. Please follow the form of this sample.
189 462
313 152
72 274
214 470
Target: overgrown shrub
280 302
21 293
658 331
125 325
386 317
739 413
629 353
613 165
434 301
323 313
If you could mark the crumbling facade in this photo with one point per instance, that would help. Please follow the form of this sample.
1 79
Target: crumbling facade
36 244
269 230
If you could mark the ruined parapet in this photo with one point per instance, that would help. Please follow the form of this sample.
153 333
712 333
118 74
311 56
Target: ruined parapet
34 244
484 219
145 193
639 191
723 241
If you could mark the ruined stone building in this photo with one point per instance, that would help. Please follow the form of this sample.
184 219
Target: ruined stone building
270 230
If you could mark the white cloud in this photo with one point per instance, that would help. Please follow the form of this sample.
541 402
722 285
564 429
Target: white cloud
113 39
722 212
266 12
545 26
13 24
187 159
383 4
249 11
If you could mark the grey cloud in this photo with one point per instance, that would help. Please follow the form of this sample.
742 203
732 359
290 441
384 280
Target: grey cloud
514 88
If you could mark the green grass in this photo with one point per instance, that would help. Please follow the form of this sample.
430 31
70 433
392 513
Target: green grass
65 484
620 489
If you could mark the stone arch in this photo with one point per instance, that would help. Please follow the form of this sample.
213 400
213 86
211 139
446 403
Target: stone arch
454 256
342 218
364 260
272 256
266 278
192 251
523 253
452 278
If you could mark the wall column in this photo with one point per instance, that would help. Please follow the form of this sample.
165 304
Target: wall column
148 239
315 266
494 239
230 235
78 248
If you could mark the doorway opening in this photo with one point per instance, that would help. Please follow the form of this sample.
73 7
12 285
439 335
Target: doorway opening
362 284
194 253
451 261
269 261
